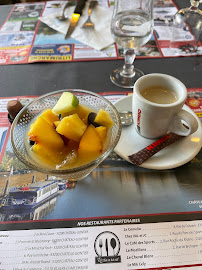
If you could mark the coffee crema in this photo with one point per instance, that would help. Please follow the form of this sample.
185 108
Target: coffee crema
159 94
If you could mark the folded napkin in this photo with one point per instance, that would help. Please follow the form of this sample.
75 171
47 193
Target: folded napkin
98 38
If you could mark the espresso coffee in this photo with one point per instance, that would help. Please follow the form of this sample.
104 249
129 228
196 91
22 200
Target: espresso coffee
158 94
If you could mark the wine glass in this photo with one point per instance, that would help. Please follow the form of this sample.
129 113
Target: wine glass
131 27
187 29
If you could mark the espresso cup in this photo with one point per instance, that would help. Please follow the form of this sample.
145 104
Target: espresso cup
157 107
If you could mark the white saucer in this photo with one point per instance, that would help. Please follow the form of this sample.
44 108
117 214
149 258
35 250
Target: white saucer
170 157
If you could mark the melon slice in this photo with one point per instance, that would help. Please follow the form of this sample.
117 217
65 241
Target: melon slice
71 127
104 119
66 103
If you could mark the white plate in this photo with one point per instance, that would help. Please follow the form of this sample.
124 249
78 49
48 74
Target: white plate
170 157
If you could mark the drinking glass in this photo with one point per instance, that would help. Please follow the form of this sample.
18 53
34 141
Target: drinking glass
131 27
187 29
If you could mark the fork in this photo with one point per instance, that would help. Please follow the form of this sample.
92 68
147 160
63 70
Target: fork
89 24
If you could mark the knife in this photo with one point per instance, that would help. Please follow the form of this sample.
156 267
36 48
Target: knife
75 17
106 246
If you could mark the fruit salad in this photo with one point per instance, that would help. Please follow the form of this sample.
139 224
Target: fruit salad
68 135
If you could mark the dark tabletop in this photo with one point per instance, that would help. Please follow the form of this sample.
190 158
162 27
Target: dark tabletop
40 78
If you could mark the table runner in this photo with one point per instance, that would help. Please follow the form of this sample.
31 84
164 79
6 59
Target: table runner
24 39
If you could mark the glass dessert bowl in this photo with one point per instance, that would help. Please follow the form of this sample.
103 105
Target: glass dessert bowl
28 115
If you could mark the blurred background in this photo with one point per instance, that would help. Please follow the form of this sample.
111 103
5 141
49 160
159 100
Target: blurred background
9 2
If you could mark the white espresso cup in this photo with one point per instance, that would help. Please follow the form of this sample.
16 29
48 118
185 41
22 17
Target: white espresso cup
157 107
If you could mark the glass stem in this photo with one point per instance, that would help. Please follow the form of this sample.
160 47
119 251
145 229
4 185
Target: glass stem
129 57
194 4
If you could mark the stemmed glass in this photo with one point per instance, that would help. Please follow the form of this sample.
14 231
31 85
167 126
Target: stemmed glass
131 27
25 117
187 28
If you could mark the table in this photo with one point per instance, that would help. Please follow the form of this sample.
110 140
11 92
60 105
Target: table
131 204
37 79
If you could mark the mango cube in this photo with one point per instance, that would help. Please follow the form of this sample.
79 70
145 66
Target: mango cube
90 146
82 112
56 123
102 132
41 131
49 155
71 127
49 116
104 119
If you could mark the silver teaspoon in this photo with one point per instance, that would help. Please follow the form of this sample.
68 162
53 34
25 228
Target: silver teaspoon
126 118
62 17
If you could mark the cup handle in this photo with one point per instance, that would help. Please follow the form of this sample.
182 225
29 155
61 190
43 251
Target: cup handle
183 129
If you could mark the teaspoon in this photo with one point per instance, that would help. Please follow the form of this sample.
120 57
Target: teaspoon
126 118
62 17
